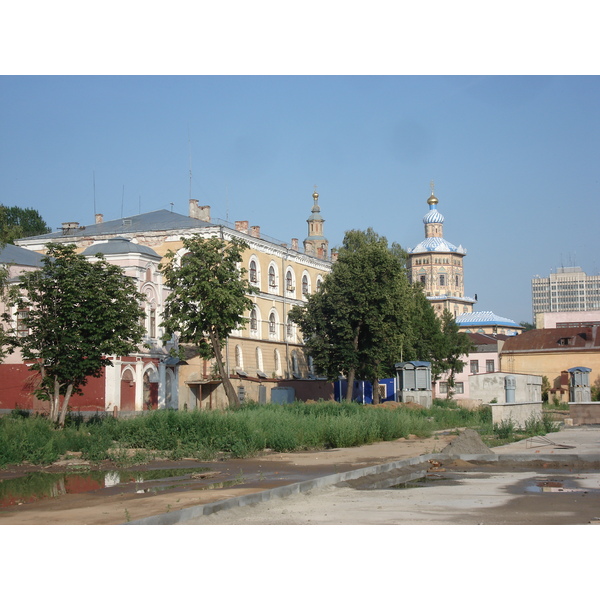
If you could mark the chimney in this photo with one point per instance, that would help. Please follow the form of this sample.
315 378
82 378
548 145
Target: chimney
255 231
202 213
241 226
294 243
70 227
99 218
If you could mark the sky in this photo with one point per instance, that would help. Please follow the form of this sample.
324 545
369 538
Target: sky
248 109
514 160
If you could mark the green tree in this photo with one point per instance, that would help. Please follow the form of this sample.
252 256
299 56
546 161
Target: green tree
16 222
78 313
454 345
359 321
208 297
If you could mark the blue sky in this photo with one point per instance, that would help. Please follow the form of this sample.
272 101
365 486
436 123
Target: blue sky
514 159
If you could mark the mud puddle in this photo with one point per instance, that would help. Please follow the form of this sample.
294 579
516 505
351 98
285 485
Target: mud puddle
37 486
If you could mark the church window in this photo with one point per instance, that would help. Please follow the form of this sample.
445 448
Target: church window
442 279
456 279
423 279
253 277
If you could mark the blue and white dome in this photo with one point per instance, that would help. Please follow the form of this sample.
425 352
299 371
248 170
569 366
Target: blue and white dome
434 244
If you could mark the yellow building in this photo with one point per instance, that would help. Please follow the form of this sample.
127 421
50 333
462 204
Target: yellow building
268 350
550 352
438 266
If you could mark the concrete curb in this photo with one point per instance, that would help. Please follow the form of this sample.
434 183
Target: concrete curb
187 514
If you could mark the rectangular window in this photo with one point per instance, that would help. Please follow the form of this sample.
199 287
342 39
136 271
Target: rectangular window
459 387
443 387
22 330
152 330
474 366
489 366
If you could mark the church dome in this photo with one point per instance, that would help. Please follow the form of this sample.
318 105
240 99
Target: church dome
433 216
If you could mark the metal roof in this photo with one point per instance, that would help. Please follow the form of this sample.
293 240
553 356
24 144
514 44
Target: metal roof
436 244
119 246
158 220
484 317
563 339
13 255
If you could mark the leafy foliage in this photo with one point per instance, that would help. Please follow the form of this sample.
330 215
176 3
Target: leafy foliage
208 298
359 320
16 222
78 312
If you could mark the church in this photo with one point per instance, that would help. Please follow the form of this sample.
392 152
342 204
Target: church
438 266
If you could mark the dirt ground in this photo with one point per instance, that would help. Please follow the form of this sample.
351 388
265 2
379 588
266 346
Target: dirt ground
224 479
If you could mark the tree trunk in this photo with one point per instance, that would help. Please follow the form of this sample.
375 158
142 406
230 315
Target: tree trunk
55 398
232 397
350 387
63 412
375 385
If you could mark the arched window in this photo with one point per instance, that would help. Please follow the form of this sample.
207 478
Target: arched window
305 287
272 277
259 359
289 282
272 324
319 284
442 279
253 272
239 359
253 320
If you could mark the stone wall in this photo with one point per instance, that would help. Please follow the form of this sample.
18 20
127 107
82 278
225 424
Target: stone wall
585 413
518 413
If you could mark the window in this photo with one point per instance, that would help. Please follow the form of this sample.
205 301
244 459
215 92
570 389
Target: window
319 283
289 282
289 328
456 281
459 387
442 280
443 387
423 279
152 330
253 275
489 366
272 324
239 362
22 329
474 366
272 280
253 320
304 285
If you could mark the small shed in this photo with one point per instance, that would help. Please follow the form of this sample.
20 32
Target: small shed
579 384
414 382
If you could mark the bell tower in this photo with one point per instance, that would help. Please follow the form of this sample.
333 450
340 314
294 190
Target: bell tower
316 244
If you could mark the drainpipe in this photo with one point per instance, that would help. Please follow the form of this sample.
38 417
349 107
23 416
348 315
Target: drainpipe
285 337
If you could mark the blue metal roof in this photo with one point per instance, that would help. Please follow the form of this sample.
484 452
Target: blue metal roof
436 244
484 317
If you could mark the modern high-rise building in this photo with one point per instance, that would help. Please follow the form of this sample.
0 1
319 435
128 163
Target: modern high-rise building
567 290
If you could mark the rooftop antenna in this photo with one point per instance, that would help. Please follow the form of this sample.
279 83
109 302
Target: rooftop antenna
94 183
172 206
190 158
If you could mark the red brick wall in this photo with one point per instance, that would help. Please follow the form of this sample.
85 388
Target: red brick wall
17 384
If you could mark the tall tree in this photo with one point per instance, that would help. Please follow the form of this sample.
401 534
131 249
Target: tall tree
208 297
78 312
16 222
455 345
359 320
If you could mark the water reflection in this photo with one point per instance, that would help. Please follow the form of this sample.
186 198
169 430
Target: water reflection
37 486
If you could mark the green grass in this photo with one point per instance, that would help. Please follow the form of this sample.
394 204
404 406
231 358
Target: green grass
239 433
